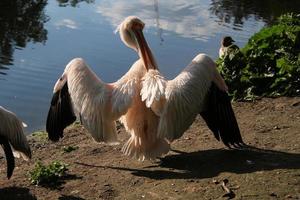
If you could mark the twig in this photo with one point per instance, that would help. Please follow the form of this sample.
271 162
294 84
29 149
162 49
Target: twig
229 193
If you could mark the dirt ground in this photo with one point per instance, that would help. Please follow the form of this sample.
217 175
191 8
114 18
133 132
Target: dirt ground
195 169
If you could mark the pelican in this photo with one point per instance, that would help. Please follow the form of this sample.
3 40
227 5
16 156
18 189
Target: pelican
154 111
80 93
12 139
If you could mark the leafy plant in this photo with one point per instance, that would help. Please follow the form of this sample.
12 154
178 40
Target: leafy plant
69 149
47 174
269 64
232 67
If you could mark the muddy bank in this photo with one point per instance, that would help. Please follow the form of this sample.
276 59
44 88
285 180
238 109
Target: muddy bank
194 169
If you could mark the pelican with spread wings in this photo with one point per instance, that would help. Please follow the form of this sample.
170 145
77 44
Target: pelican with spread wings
154 111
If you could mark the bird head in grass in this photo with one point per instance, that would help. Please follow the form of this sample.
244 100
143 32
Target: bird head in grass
227 41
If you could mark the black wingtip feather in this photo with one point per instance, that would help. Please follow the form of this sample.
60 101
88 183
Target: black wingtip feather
220 118
60 114
10 160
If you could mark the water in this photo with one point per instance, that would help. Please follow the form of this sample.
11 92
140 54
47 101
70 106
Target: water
39 37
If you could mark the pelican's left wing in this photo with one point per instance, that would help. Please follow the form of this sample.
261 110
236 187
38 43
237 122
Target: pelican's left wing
183 97
60 114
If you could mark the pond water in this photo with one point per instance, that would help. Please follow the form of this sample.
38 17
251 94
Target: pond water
39 37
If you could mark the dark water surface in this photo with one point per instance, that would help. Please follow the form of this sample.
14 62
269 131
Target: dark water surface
39 37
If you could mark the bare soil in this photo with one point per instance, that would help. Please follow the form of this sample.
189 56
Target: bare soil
194 169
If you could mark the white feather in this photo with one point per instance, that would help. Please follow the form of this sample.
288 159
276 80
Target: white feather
153 87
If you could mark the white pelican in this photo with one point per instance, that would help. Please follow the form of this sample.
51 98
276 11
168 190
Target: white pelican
12 139
153 110
226 46
79 92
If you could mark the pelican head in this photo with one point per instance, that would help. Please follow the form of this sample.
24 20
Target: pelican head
131 33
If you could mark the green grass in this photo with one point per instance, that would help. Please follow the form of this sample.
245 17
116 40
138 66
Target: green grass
47 175
68 149
40 135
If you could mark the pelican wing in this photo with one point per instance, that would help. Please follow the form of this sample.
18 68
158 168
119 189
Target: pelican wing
219 117
96 103
185 96
60 114
12 129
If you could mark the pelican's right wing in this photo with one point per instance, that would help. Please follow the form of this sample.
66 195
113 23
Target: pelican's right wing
96 103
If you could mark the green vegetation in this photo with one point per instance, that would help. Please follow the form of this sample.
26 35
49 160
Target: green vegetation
76 124
69 149
47 175
269 64
41 136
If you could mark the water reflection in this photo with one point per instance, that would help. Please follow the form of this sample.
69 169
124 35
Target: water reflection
237 12
192 19
73 3
187 18
20 22
159 29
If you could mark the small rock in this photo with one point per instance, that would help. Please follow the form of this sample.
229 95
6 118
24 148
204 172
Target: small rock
273 194
75 192
288 196
249 162
297 103
225 181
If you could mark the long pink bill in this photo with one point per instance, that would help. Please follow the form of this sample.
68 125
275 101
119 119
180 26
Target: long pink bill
144 51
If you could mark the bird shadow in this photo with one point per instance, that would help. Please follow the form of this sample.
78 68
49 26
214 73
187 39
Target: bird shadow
210 163
58 184
16 193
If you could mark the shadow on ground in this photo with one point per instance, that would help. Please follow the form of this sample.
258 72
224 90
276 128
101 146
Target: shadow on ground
68 197
58 184
16 193
210 163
